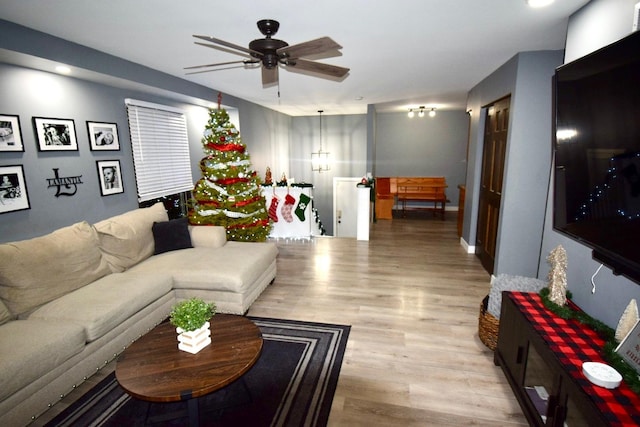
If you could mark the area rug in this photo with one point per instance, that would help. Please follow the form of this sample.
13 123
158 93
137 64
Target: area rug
292 384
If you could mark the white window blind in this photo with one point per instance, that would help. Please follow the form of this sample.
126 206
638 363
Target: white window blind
160 149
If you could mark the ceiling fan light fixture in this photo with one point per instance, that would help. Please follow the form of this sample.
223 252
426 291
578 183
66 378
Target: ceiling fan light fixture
271 53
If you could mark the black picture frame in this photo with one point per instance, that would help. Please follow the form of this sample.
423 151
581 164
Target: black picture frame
55 134
10 133
103 136
13 189
110 177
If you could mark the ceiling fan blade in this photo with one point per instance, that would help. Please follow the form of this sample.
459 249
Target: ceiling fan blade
224 49
319 67
269 76
227 44
215 69
244 61
312 47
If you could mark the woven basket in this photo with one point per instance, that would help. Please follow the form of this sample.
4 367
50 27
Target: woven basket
488 326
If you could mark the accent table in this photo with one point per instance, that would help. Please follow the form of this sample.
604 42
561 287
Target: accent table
541 356
155 370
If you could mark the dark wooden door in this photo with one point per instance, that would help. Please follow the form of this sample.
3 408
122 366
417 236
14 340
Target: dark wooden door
495 144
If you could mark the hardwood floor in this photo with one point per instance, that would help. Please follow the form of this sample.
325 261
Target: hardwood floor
411 295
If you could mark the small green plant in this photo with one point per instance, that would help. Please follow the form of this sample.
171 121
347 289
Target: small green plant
191 314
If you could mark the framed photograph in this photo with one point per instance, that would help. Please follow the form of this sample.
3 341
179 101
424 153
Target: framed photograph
55 134
110 177
13 189
103 136
10 135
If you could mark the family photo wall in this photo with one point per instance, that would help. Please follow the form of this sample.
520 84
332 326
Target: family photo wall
53 134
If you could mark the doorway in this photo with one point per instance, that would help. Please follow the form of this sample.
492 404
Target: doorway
493 157
345 207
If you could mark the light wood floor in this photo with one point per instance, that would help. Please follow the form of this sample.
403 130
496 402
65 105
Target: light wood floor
411 295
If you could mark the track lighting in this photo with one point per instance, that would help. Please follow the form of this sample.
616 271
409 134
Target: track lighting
420 109
432 113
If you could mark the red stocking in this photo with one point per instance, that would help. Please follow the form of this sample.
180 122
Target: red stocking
273 209
289 200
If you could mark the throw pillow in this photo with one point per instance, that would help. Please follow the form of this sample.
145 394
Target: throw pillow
126 239
171 235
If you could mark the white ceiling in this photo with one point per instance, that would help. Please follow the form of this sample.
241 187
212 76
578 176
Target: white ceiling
401 54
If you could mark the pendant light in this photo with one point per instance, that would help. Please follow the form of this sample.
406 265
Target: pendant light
320 159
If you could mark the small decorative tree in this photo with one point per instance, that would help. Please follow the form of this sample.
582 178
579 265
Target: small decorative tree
229 193
191 319
191 314
558 275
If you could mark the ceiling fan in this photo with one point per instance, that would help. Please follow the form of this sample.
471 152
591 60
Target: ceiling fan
271 53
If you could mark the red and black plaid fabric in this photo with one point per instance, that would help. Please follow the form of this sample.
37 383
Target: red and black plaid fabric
574 343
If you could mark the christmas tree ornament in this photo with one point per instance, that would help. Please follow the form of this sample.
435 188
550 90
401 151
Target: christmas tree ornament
287 208
558 275
273 209
268 180
303 202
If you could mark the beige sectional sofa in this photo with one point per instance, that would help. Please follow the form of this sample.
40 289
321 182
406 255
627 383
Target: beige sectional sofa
72 300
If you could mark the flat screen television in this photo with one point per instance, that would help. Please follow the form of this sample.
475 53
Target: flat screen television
597 154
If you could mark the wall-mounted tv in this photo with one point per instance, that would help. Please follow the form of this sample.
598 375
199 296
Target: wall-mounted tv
597 154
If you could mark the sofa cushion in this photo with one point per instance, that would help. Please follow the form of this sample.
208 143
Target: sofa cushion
171 235
214 268
36 271
32 348
5 314
207 236
127 239
101 306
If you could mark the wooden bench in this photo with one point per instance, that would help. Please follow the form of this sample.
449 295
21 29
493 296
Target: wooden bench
421 189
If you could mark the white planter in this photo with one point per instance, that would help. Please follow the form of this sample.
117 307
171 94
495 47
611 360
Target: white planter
194 341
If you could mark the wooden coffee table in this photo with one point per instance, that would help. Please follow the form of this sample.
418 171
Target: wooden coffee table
153 369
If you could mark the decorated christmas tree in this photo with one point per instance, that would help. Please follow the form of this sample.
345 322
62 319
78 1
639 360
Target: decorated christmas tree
229 193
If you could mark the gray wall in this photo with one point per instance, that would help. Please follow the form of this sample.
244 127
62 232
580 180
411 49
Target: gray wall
423 146
597 24
345 138
527 78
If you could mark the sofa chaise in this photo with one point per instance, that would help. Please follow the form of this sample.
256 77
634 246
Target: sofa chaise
73 300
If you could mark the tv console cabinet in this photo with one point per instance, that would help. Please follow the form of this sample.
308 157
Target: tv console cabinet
541 356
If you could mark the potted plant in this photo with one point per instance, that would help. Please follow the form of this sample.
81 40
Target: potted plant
191 319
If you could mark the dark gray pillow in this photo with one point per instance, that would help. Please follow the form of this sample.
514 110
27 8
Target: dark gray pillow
171 235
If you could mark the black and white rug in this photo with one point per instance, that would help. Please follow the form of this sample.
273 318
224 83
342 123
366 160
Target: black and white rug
292 384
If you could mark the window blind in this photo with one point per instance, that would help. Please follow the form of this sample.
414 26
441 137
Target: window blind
160 149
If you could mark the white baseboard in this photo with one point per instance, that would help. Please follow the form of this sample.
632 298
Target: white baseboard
467 248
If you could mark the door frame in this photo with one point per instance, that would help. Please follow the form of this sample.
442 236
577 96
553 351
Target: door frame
487 259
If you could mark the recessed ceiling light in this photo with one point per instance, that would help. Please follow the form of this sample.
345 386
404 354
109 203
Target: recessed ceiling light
539 3
63 69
